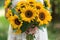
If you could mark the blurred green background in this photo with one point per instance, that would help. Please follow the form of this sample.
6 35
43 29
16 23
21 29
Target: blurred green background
53 29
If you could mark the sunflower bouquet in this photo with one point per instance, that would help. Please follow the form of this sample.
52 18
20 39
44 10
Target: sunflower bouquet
27 13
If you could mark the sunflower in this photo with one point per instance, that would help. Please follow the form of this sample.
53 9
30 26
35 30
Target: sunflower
43 16
7 2
38 5
21 5
8 13
15 22
47 4
28 14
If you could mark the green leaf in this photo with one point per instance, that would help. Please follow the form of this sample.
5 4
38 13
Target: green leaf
13 11
44 25
25 26
41 27
9 4
15 29
45 3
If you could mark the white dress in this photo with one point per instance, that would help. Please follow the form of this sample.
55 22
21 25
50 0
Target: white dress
40 34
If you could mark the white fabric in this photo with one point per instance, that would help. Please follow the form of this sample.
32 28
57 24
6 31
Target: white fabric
40 34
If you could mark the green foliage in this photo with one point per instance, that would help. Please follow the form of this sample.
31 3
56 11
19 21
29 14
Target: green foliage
45 3
25 26
13 11
9 4
3 28
1 3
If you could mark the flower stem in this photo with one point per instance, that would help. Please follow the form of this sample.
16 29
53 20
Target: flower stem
29 37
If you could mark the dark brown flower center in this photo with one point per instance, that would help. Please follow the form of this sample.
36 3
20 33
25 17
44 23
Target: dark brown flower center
42 16
38 7
31 2
28 13
22 3
10 14
19 10
17 22
23 6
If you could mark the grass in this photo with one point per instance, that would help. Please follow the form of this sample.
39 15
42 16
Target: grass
3 28
54 33
1 3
